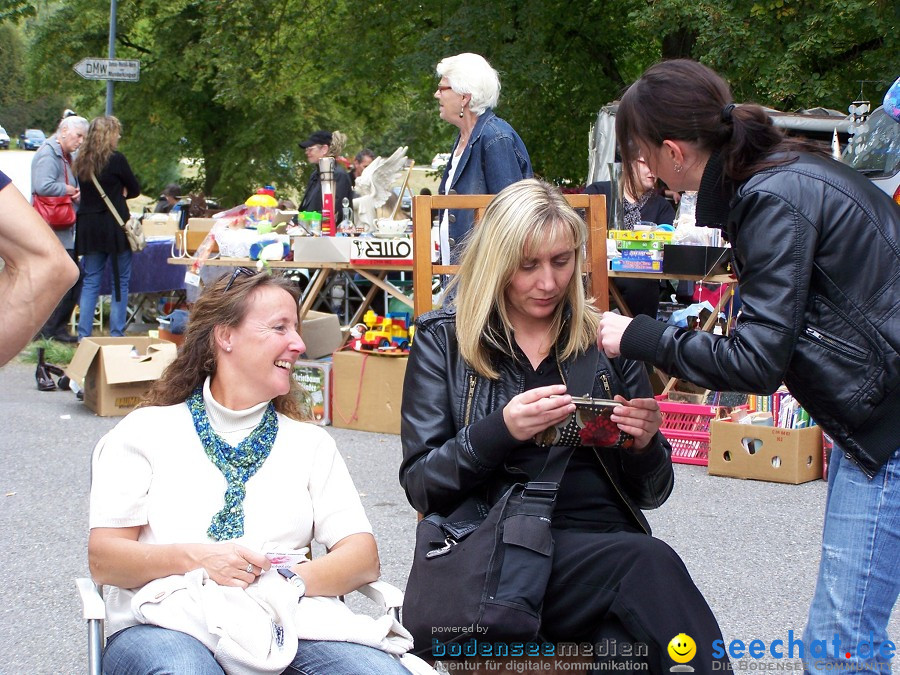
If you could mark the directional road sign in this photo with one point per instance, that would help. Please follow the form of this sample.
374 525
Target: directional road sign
108 69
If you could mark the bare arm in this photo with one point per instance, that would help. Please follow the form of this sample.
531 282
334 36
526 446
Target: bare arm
38 272
117 558
350 563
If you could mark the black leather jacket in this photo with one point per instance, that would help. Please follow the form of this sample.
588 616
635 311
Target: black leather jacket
817 255
455 441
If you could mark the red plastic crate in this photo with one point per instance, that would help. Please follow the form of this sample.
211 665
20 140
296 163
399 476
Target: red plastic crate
686 426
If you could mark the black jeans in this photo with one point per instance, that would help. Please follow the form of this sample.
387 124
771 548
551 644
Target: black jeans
608 587
57 323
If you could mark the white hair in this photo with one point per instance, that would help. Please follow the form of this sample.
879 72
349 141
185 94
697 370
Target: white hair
471 74
72 121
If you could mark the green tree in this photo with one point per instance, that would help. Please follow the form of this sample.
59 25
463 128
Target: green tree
232 86
786 54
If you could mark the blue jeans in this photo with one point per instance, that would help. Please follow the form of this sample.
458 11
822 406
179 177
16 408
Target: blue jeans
859 576
146 650
93 264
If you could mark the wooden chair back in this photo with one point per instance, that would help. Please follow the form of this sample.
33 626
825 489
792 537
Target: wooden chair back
424 270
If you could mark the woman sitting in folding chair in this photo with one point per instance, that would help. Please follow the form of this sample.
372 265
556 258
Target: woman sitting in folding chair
486 377
194 491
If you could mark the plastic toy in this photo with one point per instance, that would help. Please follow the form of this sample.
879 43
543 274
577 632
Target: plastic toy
389 333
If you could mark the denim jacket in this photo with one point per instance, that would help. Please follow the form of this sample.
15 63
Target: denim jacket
494 158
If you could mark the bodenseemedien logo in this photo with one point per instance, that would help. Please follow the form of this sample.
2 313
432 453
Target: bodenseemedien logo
682 649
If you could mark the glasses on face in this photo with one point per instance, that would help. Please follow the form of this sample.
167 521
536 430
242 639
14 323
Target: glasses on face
442 88
238 272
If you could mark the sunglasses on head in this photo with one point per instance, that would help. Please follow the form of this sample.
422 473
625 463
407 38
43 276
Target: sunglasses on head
238 272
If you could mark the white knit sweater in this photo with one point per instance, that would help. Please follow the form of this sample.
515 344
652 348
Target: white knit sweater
151 470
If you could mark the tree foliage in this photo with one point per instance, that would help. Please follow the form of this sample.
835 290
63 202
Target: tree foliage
232 85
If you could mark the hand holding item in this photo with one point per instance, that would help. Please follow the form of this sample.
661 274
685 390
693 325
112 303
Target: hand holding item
639 417
609 334
534 410
229 564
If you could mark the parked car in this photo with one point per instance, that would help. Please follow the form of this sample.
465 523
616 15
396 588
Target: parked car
875 152
440 160
4 139
406 201
31 139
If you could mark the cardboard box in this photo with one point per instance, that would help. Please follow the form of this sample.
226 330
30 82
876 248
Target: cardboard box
765 453
700 260
367 391
632 265
641 235
196 231
315 378
395 250
321 249
160 224
321 333
112 379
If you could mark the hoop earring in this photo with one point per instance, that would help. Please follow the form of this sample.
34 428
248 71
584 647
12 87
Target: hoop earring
461 110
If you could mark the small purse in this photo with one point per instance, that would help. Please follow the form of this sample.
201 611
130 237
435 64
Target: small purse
589 425
57 212
134 229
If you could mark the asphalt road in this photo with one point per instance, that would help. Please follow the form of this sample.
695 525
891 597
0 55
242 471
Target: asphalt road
752 547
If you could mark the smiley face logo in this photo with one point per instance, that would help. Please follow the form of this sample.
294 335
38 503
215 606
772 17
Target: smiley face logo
682 648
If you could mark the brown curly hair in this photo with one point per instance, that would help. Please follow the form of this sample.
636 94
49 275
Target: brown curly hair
99 144
197 357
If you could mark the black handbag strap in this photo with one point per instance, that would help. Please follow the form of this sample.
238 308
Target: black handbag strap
583 371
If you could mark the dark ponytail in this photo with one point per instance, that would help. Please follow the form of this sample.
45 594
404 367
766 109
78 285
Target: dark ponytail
682 100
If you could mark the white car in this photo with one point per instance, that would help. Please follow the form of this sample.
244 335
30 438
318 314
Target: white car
875 152
4 139
440 160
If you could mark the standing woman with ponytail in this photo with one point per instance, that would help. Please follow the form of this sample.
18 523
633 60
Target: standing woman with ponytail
99 235
817 255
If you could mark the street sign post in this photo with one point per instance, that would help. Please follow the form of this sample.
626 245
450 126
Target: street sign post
108 69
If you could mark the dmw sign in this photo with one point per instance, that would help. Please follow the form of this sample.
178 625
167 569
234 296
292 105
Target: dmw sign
108 69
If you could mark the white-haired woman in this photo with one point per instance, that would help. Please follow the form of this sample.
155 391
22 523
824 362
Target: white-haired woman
488 154
52 176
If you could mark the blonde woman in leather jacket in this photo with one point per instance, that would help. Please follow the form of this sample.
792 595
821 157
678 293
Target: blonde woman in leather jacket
488 373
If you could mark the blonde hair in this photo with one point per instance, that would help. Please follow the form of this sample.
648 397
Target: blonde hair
338 141
99 144
523 218
196 359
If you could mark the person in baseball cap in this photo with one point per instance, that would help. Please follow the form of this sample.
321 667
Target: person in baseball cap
325 144
317 138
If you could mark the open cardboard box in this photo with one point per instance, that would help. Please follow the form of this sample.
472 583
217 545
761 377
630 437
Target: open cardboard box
765 453
113 380
367 390
321 333
195 233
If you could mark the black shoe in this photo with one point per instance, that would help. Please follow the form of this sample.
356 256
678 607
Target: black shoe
42 375
63 336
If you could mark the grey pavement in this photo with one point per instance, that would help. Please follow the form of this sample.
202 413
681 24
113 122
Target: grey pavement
752 547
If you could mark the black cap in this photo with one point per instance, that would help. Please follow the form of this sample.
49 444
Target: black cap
317 138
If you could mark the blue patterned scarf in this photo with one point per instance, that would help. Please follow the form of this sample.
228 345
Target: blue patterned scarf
236 464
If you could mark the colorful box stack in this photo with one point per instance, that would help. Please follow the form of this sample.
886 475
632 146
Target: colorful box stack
638 250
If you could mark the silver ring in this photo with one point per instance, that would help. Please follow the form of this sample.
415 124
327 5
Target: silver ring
249 568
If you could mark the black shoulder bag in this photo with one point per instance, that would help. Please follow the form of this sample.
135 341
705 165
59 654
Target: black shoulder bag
484 576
